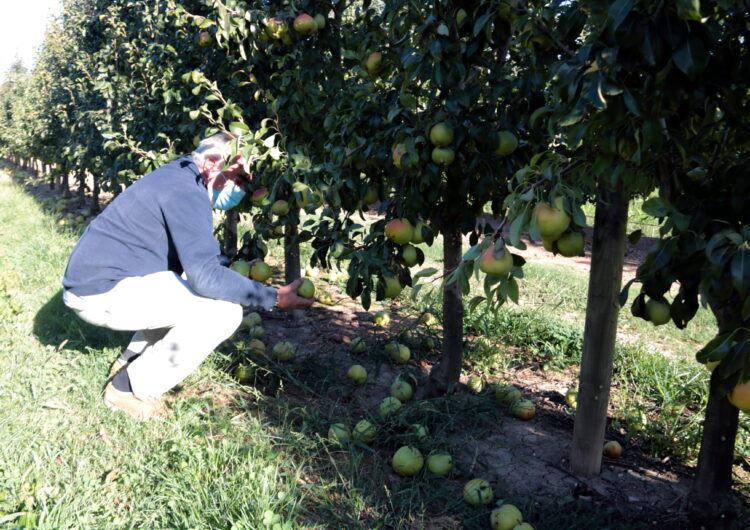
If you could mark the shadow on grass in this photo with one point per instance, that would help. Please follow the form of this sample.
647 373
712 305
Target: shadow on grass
55 323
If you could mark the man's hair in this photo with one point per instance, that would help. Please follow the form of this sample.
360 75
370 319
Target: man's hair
215 147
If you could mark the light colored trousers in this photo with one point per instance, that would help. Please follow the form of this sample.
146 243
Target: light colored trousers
176 328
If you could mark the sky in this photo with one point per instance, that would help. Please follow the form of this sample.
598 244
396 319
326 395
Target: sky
23 30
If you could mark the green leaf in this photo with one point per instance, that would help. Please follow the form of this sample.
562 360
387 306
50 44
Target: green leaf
689 9
691 58
617 13
623 298
740 268
513 289
474 302
424 273
481 22
656 207
635 236
717 348
407 100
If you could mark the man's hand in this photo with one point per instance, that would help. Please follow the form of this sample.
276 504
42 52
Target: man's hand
288 298
236 171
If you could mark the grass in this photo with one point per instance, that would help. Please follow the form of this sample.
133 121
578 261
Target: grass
257 456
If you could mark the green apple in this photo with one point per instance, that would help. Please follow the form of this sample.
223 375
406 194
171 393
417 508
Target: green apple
373 63
523 409
304 24
571 397
475 384
280 208
257 332
612 449
460 16
320 21
392 286
243 373
364 432
443 156
658 312
306 289
388 406
370 196
259 197
398 352
204 39
418 430
523 526
251 320
241 267
478 491
506 143
400 231
339 432
401 390
409 255
407 461
571 244
260 271
506 517
552 221
507 394
427 318
382 318
439 463
497 265
256 346
418 238
441 134
283 351
357 345
357 374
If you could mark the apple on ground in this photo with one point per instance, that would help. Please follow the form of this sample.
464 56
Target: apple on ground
571 397
283 351
552 221
243 373
427 318
398 352
478 491
388 406
256 346
364 432
439 463
499 264
612 449
257 332
339 432
523 526
418 430
400 231
407 461
251 320
523 409
357 345
306 289
260 271
357 374
241 267
475 384
507 394
506 517
382 318
401 390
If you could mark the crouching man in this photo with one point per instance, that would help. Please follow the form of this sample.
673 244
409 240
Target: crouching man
149 263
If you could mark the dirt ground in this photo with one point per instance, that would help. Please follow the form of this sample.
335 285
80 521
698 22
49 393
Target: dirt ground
525 458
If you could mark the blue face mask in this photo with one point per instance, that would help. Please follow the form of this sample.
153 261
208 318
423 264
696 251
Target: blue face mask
227 197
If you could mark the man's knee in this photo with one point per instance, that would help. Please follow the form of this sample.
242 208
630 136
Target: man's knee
225 316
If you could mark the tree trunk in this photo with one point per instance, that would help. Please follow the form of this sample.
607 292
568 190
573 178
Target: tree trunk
230 233
449 369
95 206
711 503
292 269
605 282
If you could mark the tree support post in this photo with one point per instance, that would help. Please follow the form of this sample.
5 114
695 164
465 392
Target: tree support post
605 283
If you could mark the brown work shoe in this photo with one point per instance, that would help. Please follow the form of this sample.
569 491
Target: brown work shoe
117 366
129 404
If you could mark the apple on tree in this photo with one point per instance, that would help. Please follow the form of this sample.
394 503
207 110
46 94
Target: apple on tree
441 135
304 24
506 143
391 286
373 64
552 221
739 396
497 264
400 231
658 312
